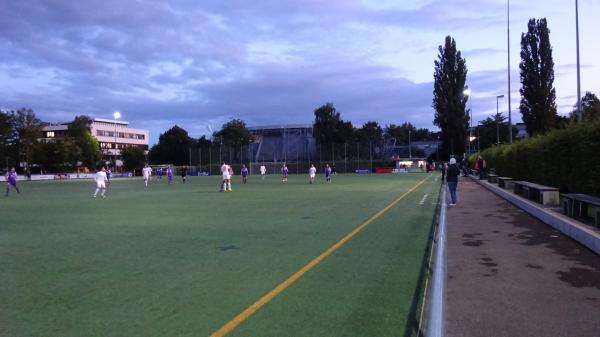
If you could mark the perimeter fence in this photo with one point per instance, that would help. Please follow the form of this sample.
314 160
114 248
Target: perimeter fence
343 157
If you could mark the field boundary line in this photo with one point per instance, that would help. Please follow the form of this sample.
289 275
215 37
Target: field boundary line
241 317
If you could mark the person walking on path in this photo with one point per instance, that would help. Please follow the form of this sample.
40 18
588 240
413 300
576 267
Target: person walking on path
452 180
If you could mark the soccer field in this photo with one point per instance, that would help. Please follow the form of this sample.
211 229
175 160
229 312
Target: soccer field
184 259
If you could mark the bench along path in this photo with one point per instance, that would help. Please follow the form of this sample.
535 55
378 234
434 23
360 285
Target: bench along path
511 275
577 204
545 195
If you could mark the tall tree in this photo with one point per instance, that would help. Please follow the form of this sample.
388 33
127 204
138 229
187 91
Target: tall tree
173 147
490 130
27 128
329 128
55 156
5 137
133 158
400 133
448 98
88 149
234 133
345 133
425 134
203 142
590 106
538 95
370 132
326 123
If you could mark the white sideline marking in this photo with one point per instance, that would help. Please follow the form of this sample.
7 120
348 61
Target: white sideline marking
422 202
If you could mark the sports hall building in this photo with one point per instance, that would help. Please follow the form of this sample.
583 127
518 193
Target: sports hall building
112 135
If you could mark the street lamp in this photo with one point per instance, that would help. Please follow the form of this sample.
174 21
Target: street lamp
498 120
116 116
467 93
510 135
579 112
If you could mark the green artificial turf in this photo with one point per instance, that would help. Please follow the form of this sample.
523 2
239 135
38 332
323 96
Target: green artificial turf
182 260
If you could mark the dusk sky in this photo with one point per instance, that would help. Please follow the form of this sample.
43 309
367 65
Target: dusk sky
202 62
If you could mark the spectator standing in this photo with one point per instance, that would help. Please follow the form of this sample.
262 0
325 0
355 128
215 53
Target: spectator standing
481 164
452 179
465 166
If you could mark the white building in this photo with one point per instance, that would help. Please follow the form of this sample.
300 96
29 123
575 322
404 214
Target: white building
112 135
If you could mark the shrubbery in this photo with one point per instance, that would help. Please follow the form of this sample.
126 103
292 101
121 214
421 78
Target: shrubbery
568 158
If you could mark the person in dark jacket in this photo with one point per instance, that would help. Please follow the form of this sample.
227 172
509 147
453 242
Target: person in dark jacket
452 180
481 164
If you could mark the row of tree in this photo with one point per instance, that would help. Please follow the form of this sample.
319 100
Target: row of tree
329 127
21 145
538 96
175 145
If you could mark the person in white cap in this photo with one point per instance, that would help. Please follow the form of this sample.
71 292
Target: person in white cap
452 180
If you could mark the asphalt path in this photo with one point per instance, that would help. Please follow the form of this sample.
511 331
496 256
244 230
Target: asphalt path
509 274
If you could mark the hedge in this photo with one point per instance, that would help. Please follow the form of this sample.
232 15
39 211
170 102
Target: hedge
567 158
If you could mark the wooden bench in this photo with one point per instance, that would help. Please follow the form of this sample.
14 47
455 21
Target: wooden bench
576 205
506 183
492 178
545 195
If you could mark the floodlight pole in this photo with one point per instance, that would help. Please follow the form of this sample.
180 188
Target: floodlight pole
579 110
498 120
510 136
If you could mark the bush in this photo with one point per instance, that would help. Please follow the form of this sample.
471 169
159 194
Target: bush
568 158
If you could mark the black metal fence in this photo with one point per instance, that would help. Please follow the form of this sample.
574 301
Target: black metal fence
344 157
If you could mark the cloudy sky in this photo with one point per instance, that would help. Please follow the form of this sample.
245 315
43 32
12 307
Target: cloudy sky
199 63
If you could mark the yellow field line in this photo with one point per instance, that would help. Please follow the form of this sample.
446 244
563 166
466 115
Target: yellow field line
237 320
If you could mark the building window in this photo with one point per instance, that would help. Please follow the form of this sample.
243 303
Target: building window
50 134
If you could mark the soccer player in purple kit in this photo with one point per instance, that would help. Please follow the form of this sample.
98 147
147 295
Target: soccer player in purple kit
11 180
108 176
159 173
284 173
244 173
328 173
170 174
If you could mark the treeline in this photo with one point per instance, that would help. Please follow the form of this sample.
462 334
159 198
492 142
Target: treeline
21 147
175 146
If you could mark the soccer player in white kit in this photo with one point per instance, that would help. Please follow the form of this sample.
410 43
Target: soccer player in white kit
101 180
227 172
312 172
263 171
146 172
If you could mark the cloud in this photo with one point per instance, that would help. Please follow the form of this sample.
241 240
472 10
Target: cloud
198 63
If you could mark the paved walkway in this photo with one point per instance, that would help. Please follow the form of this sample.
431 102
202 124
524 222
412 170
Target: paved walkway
511 275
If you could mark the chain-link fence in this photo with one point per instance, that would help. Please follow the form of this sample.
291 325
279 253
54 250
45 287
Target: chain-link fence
343 157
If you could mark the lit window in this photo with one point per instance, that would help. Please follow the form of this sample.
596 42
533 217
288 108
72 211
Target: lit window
50 134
